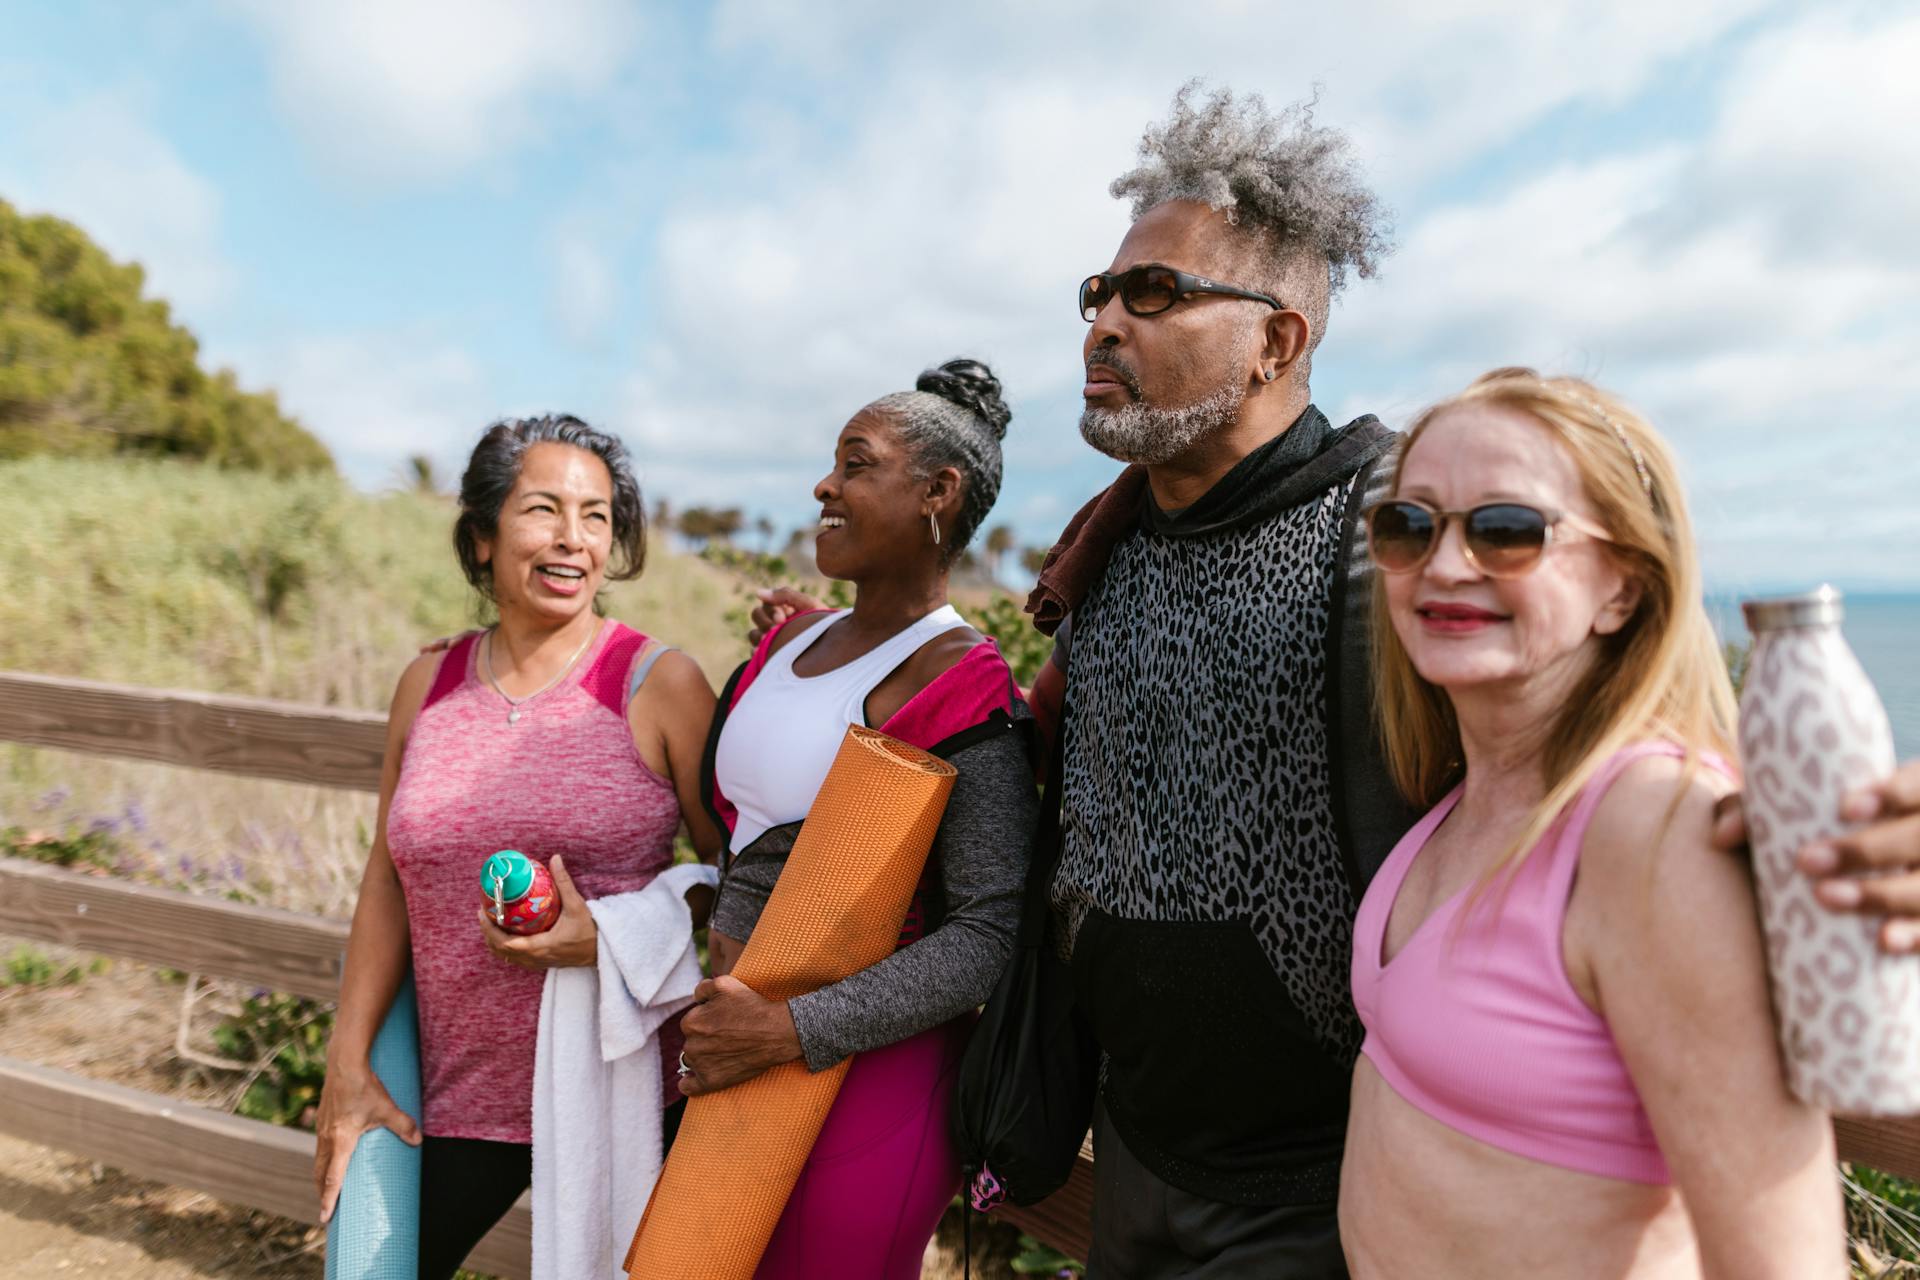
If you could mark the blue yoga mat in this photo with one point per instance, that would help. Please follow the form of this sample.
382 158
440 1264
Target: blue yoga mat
375 1231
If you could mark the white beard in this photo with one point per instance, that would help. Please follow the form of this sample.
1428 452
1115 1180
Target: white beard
1150 435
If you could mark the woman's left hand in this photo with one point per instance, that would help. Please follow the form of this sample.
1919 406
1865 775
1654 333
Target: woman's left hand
572 943
734 1034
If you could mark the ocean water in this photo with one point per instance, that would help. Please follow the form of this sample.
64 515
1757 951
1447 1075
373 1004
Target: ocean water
1884 632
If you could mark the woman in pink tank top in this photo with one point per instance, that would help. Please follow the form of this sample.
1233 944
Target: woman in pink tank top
556 732
1570 1066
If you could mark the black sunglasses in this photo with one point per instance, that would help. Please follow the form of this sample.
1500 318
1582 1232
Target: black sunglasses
1150 289
1502 539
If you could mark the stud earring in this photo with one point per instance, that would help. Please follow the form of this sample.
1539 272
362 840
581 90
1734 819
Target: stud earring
933 521
1267 374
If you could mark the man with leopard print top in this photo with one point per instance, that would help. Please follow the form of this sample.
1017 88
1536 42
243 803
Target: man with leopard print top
1223 800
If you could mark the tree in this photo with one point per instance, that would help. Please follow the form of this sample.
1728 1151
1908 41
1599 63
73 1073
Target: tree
697 525
420 476
763 525
728 522
999 541
701 525
90 365
1032 559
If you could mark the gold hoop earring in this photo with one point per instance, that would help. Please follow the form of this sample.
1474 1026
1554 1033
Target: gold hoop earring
933 522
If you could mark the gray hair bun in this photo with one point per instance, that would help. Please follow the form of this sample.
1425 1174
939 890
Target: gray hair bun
972 386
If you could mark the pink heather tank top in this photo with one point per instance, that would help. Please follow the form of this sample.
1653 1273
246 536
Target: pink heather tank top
1475 1021
565 779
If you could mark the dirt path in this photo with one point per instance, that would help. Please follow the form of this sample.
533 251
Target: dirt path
64 1217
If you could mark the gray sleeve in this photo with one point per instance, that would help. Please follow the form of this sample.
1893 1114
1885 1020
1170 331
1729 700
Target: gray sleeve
748 883
983 844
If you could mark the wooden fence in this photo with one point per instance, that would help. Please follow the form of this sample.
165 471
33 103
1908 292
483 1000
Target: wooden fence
243 1161
264 1166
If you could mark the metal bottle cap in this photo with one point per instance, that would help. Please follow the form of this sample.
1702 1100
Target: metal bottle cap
1821 607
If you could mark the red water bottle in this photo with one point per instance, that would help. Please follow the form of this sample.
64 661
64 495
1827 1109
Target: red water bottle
518 893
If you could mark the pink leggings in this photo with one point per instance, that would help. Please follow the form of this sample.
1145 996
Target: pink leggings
883 1171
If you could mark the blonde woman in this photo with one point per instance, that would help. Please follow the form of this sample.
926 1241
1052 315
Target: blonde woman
1569 1067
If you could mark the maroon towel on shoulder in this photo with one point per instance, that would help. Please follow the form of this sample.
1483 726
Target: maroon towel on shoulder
1076 561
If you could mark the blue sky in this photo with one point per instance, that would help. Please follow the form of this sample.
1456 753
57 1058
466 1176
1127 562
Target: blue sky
720 229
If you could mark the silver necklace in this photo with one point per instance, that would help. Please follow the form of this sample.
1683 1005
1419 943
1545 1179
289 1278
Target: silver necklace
514 704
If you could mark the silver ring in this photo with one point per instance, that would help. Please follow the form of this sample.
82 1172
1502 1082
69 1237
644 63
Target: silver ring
685 1070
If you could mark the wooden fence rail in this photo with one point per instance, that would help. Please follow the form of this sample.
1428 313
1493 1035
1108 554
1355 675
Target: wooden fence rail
262 1166
323 746
282 950
259 1165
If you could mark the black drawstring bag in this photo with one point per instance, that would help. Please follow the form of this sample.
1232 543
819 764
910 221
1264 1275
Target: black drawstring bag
1025 1092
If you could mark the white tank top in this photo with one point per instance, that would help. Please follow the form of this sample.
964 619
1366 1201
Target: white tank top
781 738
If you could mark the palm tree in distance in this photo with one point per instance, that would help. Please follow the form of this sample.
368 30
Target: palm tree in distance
420 475
999 542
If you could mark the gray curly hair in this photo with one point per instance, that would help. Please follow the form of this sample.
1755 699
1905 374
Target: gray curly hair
1289 185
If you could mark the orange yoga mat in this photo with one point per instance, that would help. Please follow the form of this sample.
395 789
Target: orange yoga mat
836 909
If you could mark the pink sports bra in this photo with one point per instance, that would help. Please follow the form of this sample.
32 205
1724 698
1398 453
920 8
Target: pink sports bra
1476 1023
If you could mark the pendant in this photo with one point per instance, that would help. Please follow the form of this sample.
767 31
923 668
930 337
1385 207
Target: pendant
513 716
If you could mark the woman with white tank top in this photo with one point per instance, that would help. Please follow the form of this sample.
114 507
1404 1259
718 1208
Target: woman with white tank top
914 474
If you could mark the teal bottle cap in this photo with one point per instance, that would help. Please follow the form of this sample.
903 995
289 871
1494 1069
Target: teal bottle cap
512 870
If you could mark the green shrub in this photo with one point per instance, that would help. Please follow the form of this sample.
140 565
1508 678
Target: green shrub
27 966
287 1036
1883 1219
90 365
92 846
1737 656
1024 648
1037 1259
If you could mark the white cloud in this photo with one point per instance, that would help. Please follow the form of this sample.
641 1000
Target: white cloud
1815 143
1584 263
1744 288
902 192
1423 85
412 89
788 306
99 164
377 398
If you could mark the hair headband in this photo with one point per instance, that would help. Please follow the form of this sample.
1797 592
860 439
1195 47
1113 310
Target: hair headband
1626 442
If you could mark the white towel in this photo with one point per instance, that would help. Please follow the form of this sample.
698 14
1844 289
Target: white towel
596 1077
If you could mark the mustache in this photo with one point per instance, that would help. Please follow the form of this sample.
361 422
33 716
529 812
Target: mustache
1107 359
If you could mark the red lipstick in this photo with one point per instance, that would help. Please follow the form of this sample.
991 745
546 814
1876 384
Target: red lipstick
1453 619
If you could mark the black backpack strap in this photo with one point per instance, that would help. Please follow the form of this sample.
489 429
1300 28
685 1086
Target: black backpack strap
1369 813
708 786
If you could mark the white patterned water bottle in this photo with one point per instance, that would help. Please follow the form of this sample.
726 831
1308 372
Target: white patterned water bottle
1812 729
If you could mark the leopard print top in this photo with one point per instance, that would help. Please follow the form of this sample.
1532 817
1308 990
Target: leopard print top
1197 784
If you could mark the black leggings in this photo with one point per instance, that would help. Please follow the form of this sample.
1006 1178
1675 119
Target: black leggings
468 1184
